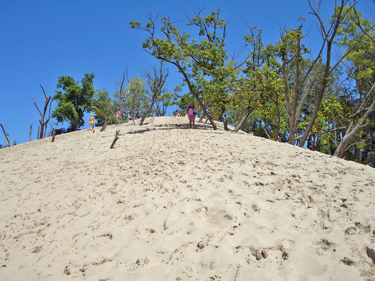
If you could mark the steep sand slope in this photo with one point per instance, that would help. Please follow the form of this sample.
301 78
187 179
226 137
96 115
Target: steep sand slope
172 203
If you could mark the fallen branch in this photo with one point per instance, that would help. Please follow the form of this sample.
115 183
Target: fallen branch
116 138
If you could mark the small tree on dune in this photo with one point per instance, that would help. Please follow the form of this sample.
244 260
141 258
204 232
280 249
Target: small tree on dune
73 100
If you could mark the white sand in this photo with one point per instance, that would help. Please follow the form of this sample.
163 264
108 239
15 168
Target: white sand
172 203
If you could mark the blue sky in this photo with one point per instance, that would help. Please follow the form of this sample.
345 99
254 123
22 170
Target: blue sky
41 40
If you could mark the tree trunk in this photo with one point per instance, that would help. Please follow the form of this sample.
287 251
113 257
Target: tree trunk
31 129
53 135
249 110
115 139
328 38
224 116
6 136
148 110
146 113
43 125
186 78
202 116
278 114
278 123
348 136
105 124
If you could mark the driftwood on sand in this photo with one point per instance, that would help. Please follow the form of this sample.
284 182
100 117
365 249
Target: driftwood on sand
115 139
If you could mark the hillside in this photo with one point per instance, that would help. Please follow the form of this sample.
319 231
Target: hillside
172 203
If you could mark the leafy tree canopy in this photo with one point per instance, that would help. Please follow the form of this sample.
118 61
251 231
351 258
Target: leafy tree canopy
73 100
102 106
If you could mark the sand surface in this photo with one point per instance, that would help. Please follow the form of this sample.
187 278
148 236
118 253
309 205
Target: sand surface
172 203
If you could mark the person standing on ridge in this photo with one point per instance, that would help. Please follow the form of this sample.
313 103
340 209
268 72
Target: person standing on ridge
191 114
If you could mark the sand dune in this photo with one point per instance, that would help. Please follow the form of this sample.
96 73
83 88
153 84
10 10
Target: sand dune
172 203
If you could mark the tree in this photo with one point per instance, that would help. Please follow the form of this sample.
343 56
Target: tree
358 37
198 62
155 79
299 75
103 107
6 135
43 124
73 100
328 33
133 99
262 85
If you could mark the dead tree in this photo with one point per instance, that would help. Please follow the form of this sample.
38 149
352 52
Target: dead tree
115 107
115 139
31 129
53 134
156 79
121 97
6 136
107 119
43 125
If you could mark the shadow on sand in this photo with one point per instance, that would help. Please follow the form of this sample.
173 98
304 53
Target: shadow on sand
198 126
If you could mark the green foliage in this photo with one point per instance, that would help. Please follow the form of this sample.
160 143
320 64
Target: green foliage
134 99
184 101
260 87
356 39
103 106
290 96
201 62
164 100
361 58
160 98
73 100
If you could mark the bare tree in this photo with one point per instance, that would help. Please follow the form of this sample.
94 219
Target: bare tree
6 136
156 79
111 109
43 124
122 95
328 34
115 139
31 129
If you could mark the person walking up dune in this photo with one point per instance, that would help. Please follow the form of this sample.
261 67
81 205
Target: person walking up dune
92 122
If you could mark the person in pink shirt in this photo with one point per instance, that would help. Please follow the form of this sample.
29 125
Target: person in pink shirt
191 114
